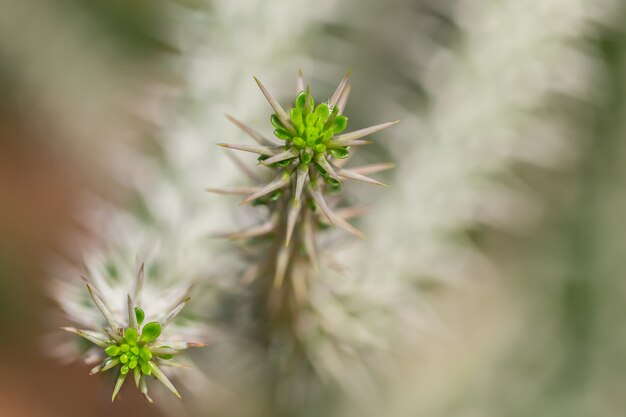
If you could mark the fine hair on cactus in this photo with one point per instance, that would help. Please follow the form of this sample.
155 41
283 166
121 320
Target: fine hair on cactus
204 212
301 198
134 336
307 165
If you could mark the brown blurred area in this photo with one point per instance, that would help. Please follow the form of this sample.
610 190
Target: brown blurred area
71 74
38 194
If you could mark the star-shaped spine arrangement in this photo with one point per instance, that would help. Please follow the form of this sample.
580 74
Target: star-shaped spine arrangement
307 160
127 344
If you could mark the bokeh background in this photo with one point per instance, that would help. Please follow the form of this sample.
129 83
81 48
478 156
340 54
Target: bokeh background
499 247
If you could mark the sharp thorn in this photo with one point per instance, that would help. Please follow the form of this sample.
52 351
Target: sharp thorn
234 190
158 374
349 228
337 94
341 105
288 154
374 168
89 335
118 384
272 186
281 266
353 142
323 162
319 199
103 307
302 173
280 112
139 277
357 134
261 150
174 312
256 136
359 177
347 213
299 82
261 230
292 216
132 317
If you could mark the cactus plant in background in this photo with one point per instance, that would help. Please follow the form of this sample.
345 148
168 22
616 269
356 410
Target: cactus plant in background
135 334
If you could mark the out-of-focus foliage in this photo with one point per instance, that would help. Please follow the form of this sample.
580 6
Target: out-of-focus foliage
528 309
491 281
80 79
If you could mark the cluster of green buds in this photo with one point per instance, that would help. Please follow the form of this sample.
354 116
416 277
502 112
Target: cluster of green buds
136 353
307 162
308 134
130 345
